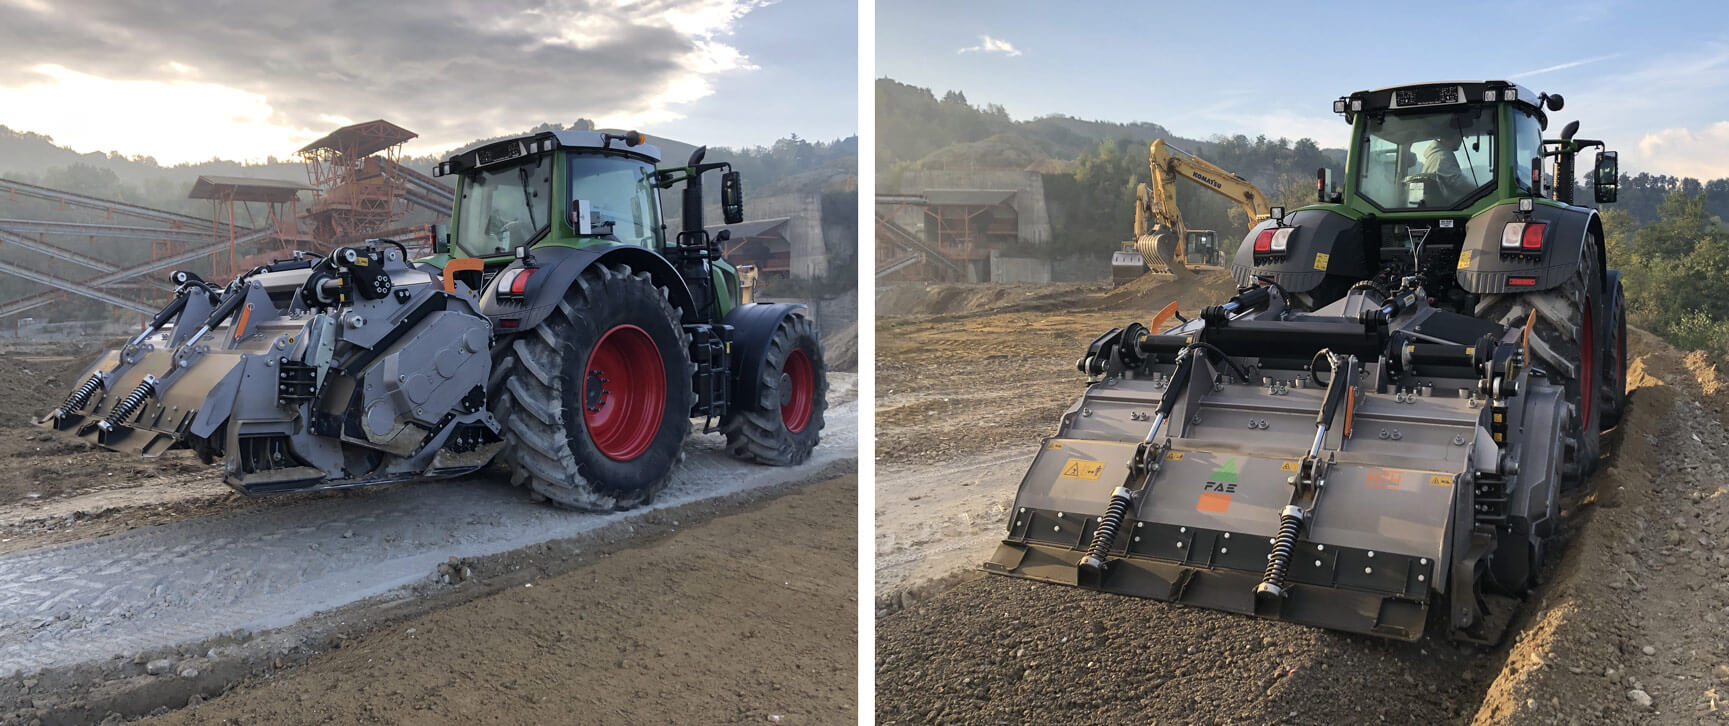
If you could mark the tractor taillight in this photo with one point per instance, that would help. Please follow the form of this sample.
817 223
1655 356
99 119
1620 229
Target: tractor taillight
1282 239
513 283
1523 236
1264 240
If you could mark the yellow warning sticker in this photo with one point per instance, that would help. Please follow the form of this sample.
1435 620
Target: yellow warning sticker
1056 444
1498 418
1288 466
1465 259
361 262
1321 260
1173 456
1438 480
1083 469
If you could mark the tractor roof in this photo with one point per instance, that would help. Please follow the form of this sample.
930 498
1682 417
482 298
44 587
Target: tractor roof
1441 93
496 152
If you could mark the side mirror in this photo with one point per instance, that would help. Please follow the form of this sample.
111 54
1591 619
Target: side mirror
1606 178
440 239
1537 175
732 197
1323 184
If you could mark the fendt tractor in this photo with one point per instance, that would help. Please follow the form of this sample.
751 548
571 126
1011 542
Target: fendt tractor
1386 414
556 328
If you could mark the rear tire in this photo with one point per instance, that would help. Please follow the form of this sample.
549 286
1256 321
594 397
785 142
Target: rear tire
784 424
1564 343
595 401
1615 353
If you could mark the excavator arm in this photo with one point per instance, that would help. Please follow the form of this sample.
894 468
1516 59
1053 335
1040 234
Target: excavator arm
1160 233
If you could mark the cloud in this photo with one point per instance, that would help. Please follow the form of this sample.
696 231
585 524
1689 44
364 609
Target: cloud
1702 154
1565 66
450 70
987 44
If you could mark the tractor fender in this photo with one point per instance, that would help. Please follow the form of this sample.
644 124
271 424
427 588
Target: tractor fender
1322 242
753 326
557 268
1483 269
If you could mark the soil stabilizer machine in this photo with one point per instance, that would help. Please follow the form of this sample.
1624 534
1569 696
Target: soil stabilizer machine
1386 414
558 328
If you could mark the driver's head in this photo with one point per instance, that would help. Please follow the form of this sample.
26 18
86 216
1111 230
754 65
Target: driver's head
1450 140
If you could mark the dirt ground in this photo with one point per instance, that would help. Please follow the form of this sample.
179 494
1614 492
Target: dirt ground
715 624
994 365
1629 626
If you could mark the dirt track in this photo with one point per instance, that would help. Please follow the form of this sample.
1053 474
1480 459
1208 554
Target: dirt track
1644 568
716 624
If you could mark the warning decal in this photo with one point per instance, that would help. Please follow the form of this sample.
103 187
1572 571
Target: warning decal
1083 469
1438 480
1288 466
1321 260
1465 259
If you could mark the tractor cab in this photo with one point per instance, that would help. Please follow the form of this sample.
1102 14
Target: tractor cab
1436 149
571 187
1440 147
584 190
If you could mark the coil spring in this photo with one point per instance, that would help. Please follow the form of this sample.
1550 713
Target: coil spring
79 397
129 404
1284 545
1108 524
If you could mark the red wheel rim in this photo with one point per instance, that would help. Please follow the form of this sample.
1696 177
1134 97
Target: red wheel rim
800 391
1588 365
623 392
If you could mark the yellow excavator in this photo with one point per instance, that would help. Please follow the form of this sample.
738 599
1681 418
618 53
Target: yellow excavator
1162 242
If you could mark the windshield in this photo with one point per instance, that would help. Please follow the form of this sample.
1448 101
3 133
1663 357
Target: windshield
1439 160
620 192
503 208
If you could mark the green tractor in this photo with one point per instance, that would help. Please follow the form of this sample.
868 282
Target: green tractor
1384 417
1445 181
560 328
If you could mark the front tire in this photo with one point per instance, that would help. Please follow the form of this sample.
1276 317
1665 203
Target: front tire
784 423
595 401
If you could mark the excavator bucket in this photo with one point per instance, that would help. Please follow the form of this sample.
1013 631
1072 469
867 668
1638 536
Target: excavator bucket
1166 247
1343 469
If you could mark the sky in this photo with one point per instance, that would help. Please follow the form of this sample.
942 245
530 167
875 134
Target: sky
191 80
1649 77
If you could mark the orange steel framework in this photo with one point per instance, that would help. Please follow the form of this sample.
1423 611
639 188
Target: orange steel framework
281 200
361 193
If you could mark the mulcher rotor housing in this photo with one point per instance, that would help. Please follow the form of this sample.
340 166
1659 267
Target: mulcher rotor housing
1383 419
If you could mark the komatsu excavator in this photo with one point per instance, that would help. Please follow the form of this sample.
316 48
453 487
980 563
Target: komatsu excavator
1161 238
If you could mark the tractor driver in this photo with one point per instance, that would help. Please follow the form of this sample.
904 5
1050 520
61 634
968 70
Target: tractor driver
1441 167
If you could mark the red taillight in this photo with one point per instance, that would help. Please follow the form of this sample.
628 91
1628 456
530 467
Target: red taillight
509 323
1532 239
514 282
1264 240
1522 281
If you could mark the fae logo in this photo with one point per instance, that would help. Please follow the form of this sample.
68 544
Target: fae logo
1227 472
